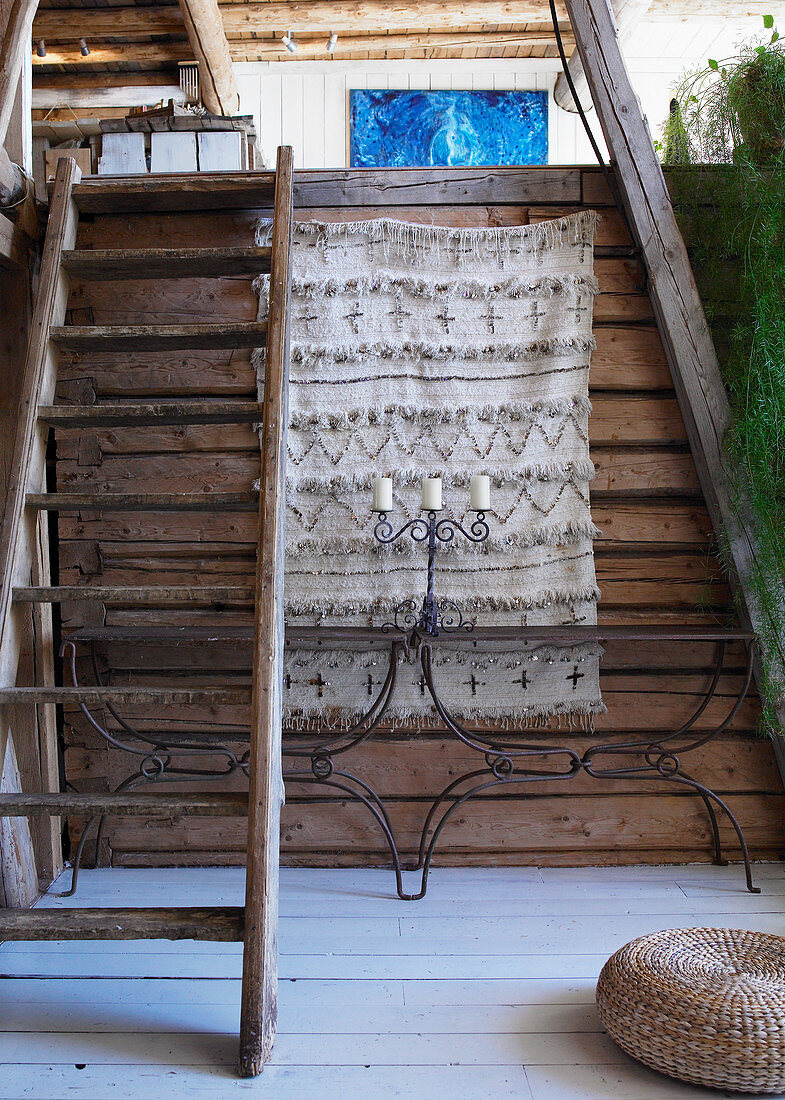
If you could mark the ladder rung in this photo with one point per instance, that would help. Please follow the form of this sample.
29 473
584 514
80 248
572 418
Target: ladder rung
138 595
144 502
167 263
143 415
105 338
198 191
96 696
223 923
218 804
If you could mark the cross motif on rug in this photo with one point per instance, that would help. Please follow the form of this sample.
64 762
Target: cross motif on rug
354 317
579 310
399 313
575 676
535 315
370 684
474 683
445 319
319 683
491 317
523 680
307 317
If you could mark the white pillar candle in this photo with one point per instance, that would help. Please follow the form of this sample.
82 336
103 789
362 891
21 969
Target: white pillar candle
480 493
432 494
382 494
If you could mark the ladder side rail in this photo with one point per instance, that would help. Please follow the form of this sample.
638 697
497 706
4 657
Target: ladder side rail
24 556
260 963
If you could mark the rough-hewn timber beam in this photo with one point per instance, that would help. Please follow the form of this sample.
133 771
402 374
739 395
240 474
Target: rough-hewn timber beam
13 46
685 333
307 17
270 49
628 15
383 44
206 35
347 16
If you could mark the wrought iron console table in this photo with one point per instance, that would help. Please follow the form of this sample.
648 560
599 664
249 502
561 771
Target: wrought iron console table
514 758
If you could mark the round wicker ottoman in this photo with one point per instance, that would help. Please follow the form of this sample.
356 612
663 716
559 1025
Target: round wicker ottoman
706 1005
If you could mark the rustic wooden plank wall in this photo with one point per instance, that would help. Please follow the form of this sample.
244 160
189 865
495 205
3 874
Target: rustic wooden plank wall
655 558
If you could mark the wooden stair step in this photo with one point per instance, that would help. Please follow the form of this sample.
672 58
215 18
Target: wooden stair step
166 263
151 415
349 636
197 337
144 502
138 595
166 635
156 696
218 804
220 923
198 191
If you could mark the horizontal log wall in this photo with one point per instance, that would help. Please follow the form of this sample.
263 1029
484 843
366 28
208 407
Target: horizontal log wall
655 558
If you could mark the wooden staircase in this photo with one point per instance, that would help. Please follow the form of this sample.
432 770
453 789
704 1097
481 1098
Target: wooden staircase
27 596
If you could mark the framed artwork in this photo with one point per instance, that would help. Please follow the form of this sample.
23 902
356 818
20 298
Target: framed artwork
403 129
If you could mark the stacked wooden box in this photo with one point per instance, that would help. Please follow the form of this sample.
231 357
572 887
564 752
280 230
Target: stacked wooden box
176 143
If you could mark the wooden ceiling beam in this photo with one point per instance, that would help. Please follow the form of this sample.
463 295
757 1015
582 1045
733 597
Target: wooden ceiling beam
347 16
270 49
207 39
305 17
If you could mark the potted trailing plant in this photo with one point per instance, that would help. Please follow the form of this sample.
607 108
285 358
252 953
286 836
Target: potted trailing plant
731 115
732 110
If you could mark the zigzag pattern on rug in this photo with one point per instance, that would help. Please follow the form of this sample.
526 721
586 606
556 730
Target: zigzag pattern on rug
423 351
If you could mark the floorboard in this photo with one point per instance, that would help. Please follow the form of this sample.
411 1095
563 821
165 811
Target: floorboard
485 989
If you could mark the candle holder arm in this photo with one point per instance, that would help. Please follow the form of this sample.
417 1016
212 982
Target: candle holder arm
478 529
385 533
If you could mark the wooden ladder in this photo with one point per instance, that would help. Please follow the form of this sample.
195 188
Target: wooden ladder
27 595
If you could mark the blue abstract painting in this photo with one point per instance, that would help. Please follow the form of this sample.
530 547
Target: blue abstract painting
452 129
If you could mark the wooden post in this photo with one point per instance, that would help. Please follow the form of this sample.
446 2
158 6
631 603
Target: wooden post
628 14
16 39
23 538
259 1010
206 35
685 334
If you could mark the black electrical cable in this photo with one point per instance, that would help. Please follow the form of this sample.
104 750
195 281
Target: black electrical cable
609 179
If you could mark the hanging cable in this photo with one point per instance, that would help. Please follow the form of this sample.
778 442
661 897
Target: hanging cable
609 177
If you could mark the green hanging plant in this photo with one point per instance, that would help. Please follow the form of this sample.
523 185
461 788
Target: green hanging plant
733 113
733 109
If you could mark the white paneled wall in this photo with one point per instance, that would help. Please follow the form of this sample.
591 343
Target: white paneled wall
306 104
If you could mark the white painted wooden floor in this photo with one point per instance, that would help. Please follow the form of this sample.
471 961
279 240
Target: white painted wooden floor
483 990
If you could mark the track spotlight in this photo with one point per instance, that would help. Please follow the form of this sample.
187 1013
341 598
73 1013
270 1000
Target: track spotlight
84 49
332 42
41 48
289 42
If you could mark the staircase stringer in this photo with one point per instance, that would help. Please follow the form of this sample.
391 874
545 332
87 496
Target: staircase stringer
681 321
24 558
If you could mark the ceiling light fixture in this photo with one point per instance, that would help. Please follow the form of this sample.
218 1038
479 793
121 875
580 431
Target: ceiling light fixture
332 42
289 42
41 48
84 49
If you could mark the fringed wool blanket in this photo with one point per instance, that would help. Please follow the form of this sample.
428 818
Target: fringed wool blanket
423 351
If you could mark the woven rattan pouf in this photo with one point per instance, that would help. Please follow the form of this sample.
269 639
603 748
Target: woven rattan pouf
706 1005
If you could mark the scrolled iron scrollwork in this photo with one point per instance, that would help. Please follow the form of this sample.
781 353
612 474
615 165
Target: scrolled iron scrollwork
508 760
